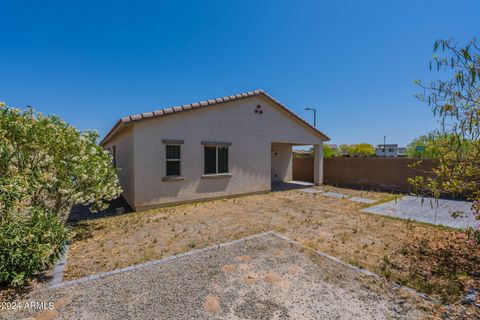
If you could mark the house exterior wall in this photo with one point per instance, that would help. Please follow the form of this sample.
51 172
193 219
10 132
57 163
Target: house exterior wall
124 147
250 133
281 162
391 151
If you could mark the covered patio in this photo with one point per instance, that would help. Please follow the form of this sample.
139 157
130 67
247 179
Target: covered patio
282 165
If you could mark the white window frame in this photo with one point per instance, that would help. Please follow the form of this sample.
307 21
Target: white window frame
216 158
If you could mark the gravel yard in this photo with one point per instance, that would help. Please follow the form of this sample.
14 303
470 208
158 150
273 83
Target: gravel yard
265 277
430 259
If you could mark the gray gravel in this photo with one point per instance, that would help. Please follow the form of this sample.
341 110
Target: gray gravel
260 278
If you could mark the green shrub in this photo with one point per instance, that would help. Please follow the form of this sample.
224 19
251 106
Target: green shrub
46 167
29 244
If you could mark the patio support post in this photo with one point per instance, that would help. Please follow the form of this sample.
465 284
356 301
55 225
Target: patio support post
318 164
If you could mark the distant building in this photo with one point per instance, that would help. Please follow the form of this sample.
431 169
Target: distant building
334 147
390 151
299 153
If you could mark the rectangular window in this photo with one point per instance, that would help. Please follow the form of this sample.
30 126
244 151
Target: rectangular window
222 159
216 159
173 160
210 160
114 156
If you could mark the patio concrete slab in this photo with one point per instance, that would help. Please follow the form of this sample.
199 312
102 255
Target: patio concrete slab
428 210
334 195
362 200
262 277
311 190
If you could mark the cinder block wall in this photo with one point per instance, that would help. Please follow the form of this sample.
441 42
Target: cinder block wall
388 174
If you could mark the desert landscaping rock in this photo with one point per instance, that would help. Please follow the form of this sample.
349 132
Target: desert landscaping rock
229 268
299 284
211 304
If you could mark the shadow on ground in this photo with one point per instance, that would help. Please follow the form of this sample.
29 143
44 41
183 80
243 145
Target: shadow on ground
290 185
116 207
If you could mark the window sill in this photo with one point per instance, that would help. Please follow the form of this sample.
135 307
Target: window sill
216 175
173 178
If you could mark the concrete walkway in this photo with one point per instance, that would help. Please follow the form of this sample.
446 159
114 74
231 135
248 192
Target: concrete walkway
428 210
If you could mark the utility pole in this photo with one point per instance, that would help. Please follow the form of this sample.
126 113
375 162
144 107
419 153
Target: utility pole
314 115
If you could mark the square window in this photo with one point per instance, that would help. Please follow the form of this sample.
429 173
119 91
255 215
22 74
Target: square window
216 159
173 168
173 152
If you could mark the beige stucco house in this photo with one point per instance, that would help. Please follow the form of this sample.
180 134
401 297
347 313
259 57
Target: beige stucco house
233 145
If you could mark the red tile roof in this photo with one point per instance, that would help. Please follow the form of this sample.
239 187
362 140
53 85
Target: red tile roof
201 104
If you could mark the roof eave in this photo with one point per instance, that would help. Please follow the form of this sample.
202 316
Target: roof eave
121 123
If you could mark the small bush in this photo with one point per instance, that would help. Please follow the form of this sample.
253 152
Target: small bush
29 244
46 167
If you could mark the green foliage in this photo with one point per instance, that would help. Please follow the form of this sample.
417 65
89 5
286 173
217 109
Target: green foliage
343 149
456 101
328 152
46 166
29 243
45 162
432 143
357 150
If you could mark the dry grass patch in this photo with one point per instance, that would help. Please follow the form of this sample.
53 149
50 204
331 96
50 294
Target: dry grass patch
333 226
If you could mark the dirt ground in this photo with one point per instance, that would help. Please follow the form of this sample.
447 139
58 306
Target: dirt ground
334 226
262 277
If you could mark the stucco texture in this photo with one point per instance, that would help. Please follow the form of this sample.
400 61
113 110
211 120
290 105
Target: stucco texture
123 143
253 136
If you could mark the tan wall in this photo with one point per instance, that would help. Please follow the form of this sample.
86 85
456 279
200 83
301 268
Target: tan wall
250 133
281 162
123 143
303 169
389 174
318 163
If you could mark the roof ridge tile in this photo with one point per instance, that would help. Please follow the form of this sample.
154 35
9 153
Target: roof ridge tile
203 103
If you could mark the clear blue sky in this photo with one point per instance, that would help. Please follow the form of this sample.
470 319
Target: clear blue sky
92 62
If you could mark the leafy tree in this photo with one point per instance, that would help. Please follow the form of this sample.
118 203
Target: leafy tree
432 145
328 152
343 149
46 166
362 150
456 102
425 141
357 150
45 162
